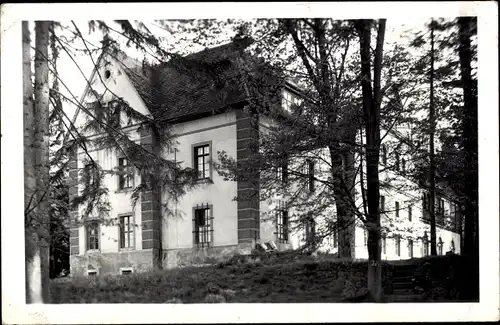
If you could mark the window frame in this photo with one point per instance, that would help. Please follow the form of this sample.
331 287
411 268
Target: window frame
310 230
122 174
384 155
195 156
397 244
282 228
410 216
310 175
208 232
92 273
132 233
382 204
128 270
396 208
97 224
410 248
439 246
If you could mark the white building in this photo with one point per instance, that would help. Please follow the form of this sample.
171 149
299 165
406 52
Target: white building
207 223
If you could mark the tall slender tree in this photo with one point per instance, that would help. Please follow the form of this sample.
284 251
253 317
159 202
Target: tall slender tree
371 107
32 253
432 163
41 142
467 27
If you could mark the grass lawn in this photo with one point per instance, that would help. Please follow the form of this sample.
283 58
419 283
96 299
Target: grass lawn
285 278
300 281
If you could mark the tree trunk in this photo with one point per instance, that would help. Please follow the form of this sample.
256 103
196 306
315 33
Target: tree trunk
471 245
345 216
432 165
41 142
371 108
32 254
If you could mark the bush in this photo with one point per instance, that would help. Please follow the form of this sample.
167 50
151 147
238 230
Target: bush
214 299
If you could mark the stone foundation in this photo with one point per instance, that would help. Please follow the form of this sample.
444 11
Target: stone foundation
173 258
110 263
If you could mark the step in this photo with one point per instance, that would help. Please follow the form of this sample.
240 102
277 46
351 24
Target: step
406 278
403 285
397 271
403 291
408 298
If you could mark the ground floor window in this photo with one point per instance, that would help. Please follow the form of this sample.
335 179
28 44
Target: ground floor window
384 245
126 231
310 227
440 246
410 248
282 223
397 240
203 226
425 245
92 232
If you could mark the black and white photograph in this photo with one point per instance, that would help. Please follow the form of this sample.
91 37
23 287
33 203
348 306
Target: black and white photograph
300 157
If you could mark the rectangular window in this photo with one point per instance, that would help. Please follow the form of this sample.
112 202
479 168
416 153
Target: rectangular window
91 174
92 229
440 246
288 100
125 176
410 248
202 161
409 213
335 238
397 240
384 244
310 227
425 246
92 273
310 175
96 109
441 211
282 172
382 204
203 228
282 224
403 165
113 114
397 209
396 163
126 231
384 155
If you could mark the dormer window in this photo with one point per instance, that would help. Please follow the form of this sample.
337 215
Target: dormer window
288 100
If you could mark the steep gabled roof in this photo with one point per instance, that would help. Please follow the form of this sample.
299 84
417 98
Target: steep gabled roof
198 84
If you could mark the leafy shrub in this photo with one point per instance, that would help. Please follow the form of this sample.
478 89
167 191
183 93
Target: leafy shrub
212 288
214 299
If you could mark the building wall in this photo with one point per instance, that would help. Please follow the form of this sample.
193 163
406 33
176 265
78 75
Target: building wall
109 258
220 131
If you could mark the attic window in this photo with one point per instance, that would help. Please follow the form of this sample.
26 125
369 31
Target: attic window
107 74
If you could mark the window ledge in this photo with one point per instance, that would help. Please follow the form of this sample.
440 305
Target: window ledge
204 181
93 251
127 249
